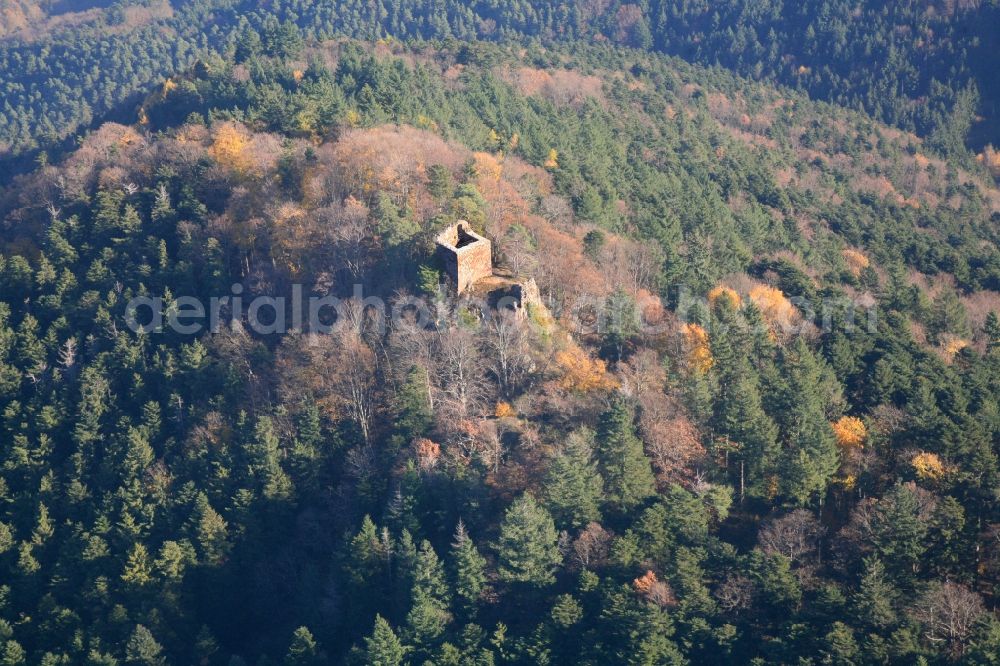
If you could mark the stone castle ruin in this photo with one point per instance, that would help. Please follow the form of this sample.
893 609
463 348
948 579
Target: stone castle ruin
467 260
466 256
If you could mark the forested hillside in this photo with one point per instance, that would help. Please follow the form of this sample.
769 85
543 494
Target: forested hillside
757 418
923 66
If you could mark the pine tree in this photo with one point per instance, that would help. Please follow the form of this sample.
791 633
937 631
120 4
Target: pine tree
310 430
429 598
810 458
264 455
627 473
12 654
138 570
840 649
211 531
142 649
382 648
429 280
365 557
468 568
748 430
573 486
651 642
440 182
636 631
205 645
992 330
304 458
566 611
528 549
899 531
303 650
622 325
413 411
944 535
395 229
873 602
947 315
130 221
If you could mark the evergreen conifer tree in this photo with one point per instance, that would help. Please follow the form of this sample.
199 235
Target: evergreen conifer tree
429 599
528 548
627 473
573 486
468 568
382 647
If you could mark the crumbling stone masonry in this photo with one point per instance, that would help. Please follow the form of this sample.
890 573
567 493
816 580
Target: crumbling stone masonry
466 256
467 259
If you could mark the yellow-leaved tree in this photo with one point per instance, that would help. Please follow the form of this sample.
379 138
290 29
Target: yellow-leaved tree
580 373
504 410
699 351
777 310
856 262
928 466
552 161
229 147
723 292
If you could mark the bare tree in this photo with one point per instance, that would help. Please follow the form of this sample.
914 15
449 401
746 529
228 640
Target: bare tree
556 209
592 546
67 353
643 263
412 346
508 352
948 613
338 372
352 380
460 378
673 445
796 536
236 348
641 374
347 231
490 446
362 463
735 593
633 265
518 249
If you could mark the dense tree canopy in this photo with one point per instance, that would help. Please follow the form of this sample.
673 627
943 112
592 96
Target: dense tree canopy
752 416
924 67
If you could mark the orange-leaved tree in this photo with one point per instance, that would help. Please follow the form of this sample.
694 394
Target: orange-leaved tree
850 431
581 373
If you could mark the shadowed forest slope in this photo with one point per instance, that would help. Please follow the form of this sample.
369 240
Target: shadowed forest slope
921 66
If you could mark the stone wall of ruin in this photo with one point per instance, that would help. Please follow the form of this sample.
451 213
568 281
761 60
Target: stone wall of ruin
465 265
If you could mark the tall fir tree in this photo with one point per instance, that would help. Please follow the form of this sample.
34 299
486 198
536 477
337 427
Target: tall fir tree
468 569
873 602
628 476
303 650
573 485
528 548
413 410
810 456
429 599
898 533
382 647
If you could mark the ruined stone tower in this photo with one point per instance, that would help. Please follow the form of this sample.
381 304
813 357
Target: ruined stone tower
466 256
